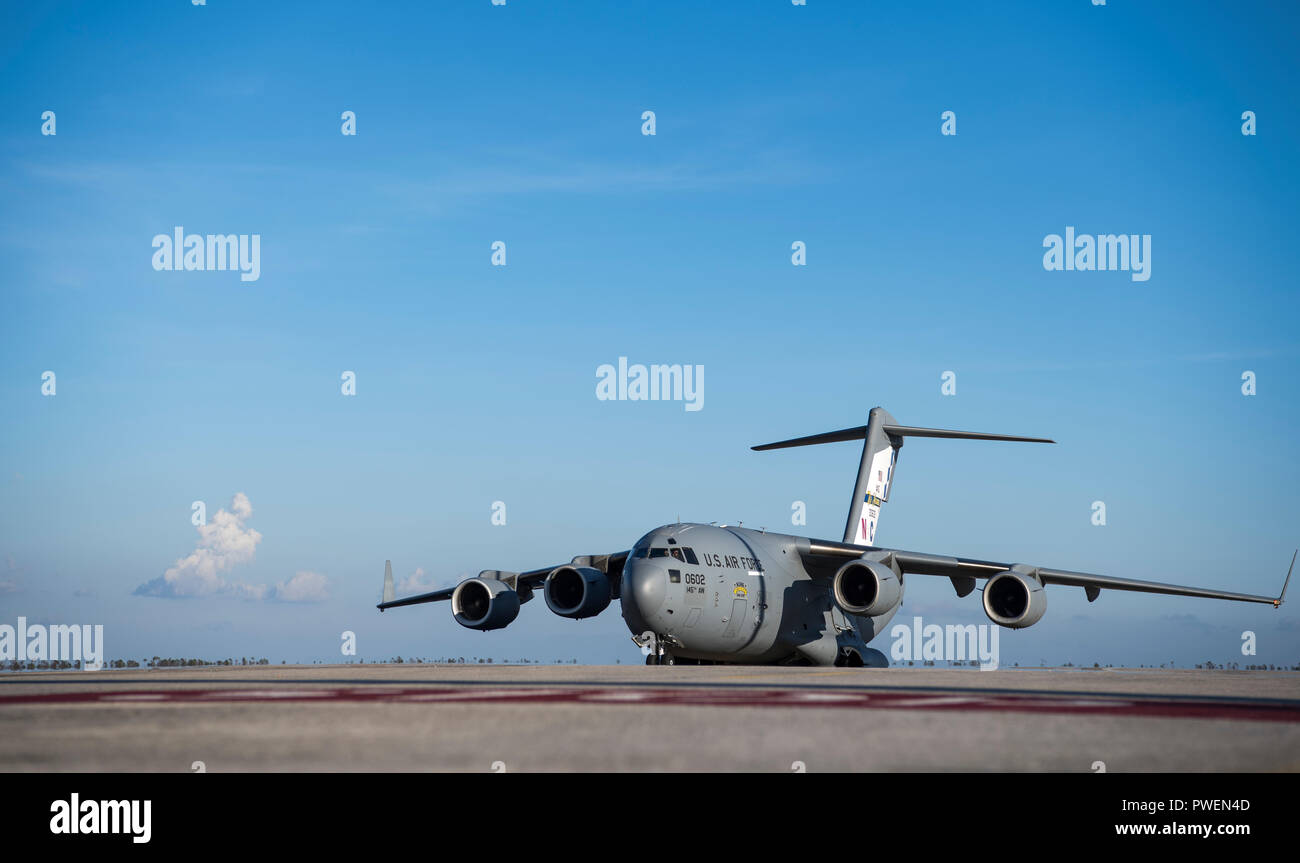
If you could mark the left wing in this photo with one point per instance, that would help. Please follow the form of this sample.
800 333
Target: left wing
823 554
521 582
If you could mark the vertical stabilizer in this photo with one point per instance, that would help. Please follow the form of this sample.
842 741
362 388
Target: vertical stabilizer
875 471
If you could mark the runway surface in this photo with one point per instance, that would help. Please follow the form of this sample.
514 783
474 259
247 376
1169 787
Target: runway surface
415 717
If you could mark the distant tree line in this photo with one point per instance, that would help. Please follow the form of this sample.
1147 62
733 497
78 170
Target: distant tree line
173 662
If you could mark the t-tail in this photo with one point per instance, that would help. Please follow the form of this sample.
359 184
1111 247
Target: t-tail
882 438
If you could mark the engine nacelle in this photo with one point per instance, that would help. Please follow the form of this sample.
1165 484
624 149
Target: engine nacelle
1015 598
484 603
577 591
866 588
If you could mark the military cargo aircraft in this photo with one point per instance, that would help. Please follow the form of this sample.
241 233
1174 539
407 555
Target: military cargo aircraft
710 593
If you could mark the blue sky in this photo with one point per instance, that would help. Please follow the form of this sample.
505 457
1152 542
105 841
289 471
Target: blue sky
476 383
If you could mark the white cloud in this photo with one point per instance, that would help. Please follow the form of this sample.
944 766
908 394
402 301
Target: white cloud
420 582
10 583
224 542
303 587
416 582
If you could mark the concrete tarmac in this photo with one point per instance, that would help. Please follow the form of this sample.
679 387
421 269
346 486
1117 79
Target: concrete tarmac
426 717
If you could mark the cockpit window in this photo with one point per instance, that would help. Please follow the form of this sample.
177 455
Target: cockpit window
658 552
677 553
690 556
640 553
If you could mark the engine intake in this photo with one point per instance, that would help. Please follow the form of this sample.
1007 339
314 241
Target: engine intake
577 591
1015 598
866 588
484 603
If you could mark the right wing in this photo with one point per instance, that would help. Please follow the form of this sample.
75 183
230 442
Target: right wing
521 582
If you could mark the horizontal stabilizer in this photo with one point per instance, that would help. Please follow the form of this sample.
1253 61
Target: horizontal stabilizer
860 432
857 433
913 431
883 438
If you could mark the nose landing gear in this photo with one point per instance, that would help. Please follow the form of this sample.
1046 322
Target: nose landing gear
652 647
655 648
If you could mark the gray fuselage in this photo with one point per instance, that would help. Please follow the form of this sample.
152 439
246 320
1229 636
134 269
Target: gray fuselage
731 594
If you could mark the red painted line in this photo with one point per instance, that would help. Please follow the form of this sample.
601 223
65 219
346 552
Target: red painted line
1093 705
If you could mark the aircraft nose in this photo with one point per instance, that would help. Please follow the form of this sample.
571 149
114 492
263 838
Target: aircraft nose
645 586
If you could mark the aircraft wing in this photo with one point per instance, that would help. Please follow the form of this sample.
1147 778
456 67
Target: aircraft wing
432 596
823 554
523 582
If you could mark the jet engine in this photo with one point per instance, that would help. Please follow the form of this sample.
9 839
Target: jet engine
484 603
1015 598
577 591
866 588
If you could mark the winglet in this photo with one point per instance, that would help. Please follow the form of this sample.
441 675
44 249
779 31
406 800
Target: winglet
388 582
1277 603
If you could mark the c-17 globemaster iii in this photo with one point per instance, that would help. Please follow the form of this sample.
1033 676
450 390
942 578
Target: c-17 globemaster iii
706 593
